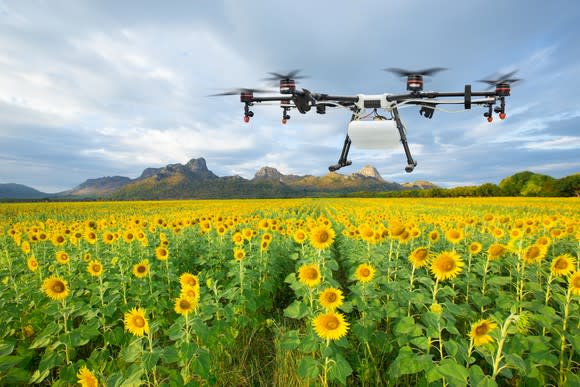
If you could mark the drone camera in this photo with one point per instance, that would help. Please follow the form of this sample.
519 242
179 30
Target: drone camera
321 109
427 112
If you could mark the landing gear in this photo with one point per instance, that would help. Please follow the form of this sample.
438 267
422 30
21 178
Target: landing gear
411 164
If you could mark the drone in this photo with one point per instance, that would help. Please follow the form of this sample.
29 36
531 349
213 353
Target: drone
378 132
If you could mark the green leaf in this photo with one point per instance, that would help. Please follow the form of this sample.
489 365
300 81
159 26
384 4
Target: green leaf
50 360
487 381
290 340
16 376
340 369
407 363
455 373
150 359
476 375
6 348
202 366
133 376
308 367
38 376
170 355
9 361
132 352
480 301
499 281
175 331
516 362
296 310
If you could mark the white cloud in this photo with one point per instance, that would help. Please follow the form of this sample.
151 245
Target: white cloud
559 143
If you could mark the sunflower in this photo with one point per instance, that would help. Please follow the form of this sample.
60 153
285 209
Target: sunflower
446 265
108 238
95 268
299 236
331 298
364 273
141 269
87 378
309 275
238 239
161 253
480 332
574 283
475 248
330 326
32 263
184 305
534 253
434 236
55 288
190 292
25 247
58 240
188 279
239 254
454 235
90 237
495 251
563 265
62 257
322 237
247 233
436 308
136 322
419 257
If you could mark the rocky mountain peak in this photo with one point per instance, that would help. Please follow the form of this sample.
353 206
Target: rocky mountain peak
197 165
268 173
370 171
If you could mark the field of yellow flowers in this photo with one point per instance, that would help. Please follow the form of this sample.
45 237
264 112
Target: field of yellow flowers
447 292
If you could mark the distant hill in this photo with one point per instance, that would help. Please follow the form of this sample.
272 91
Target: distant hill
534 184
19 191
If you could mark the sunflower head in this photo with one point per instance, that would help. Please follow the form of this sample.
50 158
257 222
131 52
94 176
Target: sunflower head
446 265
455 235
331 298
563 265
475 248
330 326
238 238
62 257
95 268
495 251
184 305
136 322
434 236
32 263
436 308
188 279
141 269
534 254
161 253
322 237
190 292
55 288
364 273
87 378
480 332
309 275
419 257
299 236
239 254
574 283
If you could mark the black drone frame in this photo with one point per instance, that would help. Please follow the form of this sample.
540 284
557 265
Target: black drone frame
304 100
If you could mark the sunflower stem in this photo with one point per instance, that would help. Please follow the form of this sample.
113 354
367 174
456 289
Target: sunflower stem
499 356
563 336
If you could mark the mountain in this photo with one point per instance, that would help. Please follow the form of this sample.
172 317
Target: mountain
195 180
419 184
19 191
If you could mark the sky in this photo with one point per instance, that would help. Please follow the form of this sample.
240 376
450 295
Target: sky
104 88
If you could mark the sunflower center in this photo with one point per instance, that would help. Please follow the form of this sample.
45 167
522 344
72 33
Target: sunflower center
311 274
454 234
58 287
561 264
141 269
481 330
365 272
139 321
331 297
184 304
533 252
323 236
332 323
576 283
421 255
96 268
447 265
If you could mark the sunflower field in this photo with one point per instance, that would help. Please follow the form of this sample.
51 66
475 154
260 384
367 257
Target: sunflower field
442 292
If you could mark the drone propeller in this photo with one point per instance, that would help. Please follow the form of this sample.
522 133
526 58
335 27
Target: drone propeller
414 78
239 91
292 75
502 79
287 81
406 73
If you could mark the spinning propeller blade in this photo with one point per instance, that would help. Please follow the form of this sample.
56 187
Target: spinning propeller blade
502 78
405 73
239 91
294 74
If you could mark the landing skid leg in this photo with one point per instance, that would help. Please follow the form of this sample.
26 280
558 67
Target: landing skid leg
411 164
342 161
